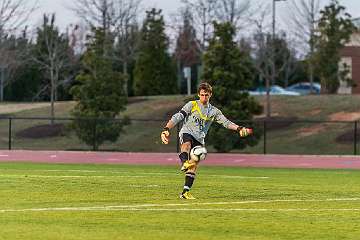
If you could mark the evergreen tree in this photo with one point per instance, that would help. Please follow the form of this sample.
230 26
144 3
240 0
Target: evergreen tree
26 75
100 94
229 71
335 29
154 72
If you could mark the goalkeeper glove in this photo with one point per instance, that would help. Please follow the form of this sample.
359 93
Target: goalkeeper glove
165 135
244 132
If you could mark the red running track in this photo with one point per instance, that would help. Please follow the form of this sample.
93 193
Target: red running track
213 159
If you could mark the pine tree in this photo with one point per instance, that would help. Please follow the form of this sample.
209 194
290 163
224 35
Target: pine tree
155 72
335 28
229 71
100 95
26 77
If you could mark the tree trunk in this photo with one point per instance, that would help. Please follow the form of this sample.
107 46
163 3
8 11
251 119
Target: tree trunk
311 65
56 77
52 95
204 30
268 103
126 78
2 84
311 70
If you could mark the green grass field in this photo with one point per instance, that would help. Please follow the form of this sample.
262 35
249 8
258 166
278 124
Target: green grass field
43 201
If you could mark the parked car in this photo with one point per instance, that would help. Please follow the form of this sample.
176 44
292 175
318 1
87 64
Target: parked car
304 88
274 90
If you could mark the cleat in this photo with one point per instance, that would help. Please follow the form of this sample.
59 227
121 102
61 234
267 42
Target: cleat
187 195
186 165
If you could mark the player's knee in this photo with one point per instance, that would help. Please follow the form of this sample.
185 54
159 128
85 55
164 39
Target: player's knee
185 147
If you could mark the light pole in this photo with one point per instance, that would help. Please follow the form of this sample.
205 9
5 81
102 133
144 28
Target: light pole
274 16
268 105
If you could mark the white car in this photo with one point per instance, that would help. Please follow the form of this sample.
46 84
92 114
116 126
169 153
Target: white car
274 90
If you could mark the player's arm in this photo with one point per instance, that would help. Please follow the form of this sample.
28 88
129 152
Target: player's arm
165 134
175 119
243 131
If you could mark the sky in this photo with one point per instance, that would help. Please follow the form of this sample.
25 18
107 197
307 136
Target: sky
65 16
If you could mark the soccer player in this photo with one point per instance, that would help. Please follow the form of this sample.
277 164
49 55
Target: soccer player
197 117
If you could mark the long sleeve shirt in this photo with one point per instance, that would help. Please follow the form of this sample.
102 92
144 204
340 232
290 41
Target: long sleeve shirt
197 119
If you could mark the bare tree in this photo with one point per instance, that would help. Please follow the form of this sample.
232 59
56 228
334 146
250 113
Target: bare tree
51 55
187 46
187 50
263 55
110 15
126 13
290 65
203 13
118 18
13 15
237 12
304 18
94 12
77 37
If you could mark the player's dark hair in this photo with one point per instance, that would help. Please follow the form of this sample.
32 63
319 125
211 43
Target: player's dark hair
205 86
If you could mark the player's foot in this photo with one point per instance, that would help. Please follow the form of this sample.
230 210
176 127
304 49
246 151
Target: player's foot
187 195
186 165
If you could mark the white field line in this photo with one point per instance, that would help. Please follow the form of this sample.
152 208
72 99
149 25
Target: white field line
234 176
152 207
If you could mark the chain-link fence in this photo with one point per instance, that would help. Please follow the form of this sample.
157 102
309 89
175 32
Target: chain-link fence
143 135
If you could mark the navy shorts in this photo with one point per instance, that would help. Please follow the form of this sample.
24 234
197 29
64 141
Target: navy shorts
189 138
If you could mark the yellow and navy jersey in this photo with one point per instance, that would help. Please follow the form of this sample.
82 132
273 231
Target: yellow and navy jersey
197 119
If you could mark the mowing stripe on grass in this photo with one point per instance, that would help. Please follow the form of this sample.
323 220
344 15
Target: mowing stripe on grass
69 176
140 175
185 209
150 207
121 172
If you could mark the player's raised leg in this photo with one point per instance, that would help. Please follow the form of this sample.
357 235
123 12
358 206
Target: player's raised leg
185 156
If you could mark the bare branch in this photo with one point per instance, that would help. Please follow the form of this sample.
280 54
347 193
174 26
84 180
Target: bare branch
303 21
203 13
13 14
54 57
237 12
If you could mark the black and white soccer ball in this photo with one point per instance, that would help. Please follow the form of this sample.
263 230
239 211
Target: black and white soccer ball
198 153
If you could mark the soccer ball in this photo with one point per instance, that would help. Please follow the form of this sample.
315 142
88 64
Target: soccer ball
198 153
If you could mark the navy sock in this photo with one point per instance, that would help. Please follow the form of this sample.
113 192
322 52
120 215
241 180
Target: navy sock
184 156
189 180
